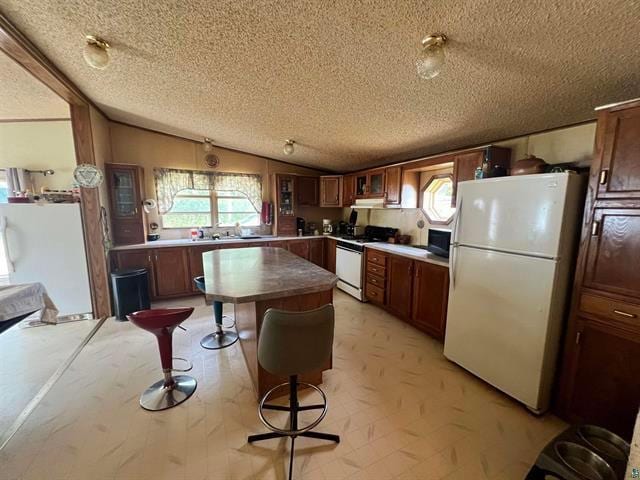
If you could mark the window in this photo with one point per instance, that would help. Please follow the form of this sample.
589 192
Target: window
234 207
191 208
436 199
4 189
203 208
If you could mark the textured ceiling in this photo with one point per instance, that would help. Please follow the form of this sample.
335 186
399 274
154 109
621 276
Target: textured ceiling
22 97
339 77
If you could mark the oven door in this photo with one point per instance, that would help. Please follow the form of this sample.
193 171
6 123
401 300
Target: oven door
349 267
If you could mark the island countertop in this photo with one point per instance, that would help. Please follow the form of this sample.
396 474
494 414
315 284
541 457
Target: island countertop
261 273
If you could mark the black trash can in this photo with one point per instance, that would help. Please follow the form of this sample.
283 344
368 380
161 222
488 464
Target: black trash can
130 291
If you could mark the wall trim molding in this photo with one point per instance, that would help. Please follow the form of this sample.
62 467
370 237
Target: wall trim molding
26 54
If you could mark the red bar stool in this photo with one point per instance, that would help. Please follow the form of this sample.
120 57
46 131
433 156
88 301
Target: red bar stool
173 390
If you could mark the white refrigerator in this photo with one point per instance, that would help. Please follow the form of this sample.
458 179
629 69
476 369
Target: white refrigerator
45 243
510 267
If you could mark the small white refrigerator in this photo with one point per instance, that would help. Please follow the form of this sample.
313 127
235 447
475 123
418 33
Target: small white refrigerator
45 243
511 262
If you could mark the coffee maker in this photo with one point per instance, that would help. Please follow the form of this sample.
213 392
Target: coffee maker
300 225
327 228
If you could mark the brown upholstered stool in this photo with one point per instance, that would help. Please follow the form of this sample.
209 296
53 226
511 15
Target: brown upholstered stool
172 390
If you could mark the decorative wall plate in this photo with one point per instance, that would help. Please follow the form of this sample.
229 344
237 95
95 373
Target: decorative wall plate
88 176
211 160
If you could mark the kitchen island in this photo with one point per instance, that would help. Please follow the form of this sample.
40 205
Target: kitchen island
255 279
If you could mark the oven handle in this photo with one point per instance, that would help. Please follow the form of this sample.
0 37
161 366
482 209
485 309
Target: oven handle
349 250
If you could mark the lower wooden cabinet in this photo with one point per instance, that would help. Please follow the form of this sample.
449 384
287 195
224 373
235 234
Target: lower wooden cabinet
299 247
605 389
399 285
415 291
171 269
330 254
430 298
316 251
196 268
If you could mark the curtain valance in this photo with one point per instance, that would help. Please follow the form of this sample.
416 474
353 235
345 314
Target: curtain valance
170 181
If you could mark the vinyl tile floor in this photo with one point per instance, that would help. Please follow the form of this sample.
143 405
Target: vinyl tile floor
402 410
28 358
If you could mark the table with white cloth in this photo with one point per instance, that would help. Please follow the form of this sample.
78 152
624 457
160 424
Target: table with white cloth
19 301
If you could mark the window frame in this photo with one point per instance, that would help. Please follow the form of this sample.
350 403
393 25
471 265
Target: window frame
434 221
213 210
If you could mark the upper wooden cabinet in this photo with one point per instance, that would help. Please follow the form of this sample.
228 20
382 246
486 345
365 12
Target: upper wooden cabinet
331 191
126 188
370 184
613 252
307 191
465 164
285 217
348 190
393 185
618 155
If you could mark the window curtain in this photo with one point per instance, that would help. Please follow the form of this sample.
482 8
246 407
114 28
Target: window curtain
170 181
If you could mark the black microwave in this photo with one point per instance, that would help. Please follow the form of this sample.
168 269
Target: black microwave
439 241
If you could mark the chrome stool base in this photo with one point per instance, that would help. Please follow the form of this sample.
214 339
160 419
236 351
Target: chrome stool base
218 340
158 397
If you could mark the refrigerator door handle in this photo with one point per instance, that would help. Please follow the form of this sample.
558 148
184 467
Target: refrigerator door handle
5 244
456 224
452 268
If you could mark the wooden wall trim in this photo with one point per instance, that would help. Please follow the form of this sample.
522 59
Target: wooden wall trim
31 120
25 53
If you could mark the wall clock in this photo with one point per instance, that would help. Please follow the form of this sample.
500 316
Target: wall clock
211 160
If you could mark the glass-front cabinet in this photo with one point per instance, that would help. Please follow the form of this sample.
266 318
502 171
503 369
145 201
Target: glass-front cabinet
370 184
285 196
124 193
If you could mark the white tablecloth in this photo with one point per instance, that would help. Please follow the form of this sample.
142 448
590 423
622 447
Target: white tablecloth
17 300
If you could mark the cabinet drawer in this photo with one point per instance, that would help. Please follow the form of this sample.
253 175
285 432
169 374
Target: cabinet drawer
375 280
374 293
376 257
376 269
610 308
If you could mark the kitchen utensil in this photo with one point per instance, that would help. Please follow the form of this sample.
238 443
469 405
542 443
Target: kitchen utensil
529 165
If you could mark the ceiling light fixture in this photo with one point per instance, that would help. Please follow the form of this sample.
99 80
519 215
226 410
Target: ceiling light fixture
431 58
288 147
207 146
96 52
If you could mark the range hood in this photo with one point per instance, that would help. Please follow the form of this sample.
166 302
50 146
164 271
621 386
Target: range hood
369 203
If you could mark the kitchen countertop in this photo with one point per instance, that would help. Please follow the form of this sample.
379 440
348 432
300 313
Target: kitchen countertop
409 252
240 275
187 242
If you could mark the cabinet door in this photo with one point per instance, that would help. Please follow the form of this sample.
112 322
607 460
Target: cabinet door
620 155
300 248
172 271
605 389
464 168
307 188
316 251
613 254
393 179
330 255
128 232
430 296
278 244
196 268
125 259
348 190
375 187
361 185
330 191
123 184
399 284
